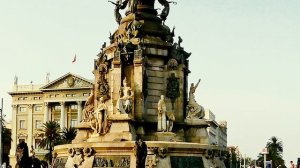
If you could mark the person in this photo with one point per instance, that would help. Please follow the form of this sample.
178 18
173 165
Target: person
292 164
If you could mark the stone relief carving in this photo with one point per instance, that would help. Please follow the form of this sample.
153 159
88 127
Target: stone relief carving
194 110
173 88
125 101
69 82
112 161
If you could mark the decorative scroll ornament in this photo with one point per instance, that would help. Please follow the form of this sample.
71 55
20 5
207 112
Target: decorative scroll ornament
78 154
173 88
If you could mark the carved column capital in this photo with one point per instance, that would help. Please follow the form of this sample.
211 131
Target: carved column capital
62 103
46 103
78 102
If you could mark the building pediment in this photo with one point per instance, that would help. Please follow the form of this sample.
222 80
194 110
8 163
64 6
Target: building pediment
68 81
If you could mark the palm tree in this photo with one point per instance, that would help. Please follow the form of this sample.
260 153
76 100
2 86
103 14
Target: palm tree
68 134
275 147
50 137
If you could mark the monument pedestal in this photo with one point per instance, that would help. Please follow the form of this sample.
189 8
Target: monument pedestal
164 136
196 131
83 132
121 130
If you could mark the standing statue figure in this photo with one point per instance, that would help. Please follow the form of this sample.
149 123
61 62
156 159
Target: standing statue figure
194 110
15 80
101 115
161 119
132 7
118 5
98 121
125 101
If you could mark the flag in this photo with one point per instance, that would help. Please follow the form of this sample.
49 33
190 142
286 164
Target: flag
74 59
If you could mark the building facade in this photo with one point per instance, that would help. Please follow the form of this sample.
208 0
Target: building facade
61 100
217 131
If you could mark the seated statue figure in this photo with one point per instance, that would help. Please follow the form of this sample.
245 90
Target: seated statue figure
194 110
88 107
125 101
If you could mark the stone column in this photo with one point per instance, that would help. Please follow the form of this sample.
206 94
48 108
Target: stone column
14 134
46 112
116 80
29 125
62 115
79 111
138 85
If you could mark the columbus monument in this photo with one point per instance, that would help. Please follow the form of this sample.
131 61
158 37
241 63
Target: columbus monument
140 112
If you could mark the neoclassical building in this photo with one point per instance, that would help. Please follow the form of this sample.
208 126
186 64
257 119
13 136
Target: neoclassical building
60 100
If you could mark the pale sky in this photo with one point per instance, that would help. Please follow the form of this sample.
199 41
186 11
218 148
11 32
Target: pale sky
245 51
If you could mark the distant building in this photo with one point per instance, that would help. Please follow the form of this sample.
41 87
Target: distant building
61 100
217 132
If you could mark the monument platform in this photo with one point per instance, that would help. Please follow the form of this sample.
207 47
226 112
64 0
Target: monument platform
160 154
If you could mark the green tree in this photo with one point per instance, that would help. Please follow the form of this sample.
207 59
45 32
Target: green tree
68 134
275 147
50 137
6 139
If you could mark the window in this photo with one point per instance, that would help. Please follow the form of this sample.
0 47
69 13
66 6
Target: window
73 95
36 98
52 96
20 98
21 140
74 107
57 107
68 95
37 143
25 98
73 122
22 109
38 108
38 124
57 95
86 94
22 124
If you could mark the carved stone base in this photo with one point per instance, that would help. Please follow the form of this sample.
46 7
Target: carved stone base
83 132
165 136
196 131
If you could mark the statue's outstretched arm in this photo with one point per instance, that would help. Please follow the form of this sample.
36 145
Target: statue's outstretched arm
197 84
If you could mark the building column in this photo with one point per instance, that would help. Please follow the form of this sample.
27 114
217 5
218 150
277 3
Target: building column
14 134
79 112
29 125
46 112
62 115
